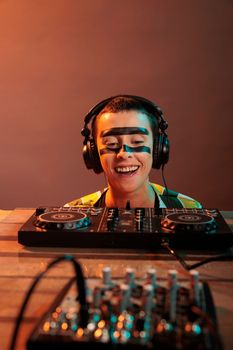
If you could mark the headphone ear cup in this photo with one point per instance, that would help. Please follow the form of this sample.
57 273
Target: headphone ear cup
91 157
161 150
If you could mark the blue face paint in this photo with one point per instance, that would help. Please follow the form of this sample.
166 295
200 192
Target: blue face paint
125 148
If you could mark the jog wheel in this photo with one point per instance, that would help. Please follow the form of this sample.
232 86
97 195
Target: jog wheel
61 220
189 222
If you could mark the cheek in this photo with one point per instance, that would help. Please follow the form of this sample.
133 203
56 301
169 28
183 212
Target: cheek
106 161
148 160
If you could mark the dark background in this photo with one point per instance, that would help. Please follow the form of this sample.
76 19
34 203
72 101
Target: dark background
59 58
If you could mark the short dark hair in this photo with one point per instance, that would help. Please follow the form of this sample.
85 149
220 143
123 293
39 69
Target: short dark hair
126 103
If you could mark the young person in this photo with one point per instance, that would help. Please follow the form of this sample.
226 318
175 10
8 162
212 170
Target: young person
127 139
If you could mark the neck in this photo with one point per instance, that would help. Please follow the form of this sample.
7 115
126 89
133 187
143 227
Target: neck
143 197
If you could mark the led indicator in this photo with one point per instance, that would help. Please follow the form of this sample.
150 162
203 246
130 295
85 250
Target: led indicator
101 324
46 326
80 332
64 326
98 333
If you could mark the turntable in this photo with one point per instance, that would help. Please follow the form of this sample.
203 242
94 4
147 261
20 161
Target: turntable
139 228
190 222
59 220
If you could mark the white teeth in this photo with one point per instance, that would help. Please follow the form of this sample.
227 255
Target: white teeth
126 169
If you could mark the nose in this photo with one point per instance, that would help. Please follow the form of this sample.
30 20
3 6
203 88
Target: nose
124 152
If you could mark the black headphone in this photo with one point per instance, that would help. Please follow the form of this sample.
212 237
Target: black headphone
161 144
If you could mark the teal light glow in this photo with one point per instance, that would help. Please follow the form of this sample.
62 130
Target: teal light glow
196 328
113 319
74 327
96 318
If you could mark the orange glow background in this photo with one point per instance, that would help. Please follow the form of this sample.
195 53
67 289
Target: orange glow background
59 58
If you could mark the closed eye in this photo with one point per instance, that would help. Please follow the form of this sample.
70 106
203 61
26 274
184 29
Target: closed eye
111 142
112 145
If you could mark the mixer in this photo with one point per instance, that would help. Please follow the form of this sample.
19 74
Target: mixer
132 313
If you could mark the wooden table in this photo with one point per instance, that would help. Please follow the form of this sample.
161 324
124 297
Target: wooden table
19 265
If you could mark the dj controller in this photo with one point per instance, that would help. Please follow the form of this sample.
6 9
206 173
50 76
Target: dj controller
149 313
140 228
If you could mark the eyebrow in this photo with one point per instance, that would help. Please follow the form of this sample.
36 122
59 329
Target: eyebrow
124 131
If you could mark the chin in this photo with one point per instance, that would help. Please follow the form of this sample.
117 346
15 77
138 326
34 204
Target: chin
127 188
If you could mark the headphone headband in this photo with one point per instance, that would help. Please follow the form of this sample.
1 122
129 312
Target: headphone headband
149 106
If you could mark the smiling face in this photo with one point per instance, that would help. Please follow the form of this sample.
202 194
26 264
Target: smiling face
125 145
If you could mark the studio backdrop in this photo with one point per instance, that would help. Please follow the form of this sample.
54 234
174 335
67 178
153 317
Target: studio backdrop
59 58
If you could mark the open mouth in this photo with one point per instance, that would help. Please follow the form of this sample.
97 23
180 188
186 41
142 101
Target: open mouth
127 170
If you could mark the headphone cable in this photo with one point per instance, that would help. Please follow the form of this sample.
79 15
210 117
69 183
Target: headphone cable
166 193
228 255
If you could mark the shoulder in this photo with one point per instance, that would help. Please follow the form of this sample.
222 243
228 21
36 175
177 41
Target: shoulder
174 199
86 201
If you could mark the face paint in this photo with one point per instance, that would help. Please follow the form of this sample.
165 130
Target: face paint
124 131
125 148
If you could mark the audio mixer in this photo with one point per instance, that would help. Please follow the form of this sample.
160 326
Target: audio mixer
140 228
132 313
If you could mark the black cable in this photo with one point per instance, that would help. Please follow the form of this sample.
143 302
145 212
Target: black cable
166 194
81 292
211 322
164 181
222 257
165 245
